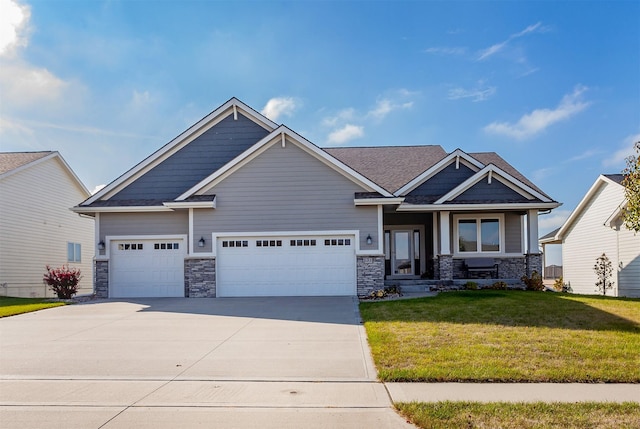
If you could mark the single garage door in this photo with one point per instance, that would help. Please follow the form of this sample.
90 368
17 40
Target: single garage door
146 268
286 266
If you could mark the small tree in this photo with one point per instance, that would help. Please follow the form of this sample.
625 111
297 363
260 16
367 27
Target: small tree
604 271
631 183
62 281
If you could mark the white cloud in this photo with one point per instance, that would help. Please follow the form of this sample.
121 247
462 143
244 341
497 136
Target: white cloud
347 114
347 133
385 106
540 119
24 85
617 159
278 106
584 155
446 50
553 220
97 188
479 93
14 19
494 49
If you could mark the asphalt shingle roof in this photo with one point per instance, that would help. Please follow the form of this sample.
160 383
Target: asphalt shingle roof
391 167
12 160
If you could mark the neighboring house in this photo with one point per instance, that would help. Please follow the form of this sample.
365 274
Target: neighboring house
37 189
593 228
240 206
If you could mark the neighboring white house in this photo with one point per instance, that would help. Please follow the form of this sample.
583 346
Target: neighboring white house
595 227
36 226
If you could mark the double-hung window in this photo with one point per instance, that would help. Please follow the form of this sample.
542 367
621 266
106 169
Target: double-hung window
73 252
479 234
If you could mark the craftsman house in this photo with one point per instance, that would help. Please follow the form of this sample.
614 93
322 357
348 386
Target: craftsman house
238 205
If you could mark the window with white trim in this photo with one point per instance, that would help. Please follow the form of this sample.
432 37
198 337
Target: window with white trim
74 251
479 234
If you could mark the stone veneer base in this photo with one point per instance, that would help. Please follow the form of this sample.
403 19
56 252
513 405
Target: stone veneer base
370 274
200 278
101 279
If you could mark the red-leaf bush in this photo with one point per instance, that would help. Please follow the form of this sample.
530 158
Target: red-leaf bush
63 281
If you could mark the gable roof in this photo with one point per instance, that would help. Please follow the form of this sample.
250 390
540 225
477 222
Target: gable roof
389 166
603 179
14 162
197 159
231 107
279 135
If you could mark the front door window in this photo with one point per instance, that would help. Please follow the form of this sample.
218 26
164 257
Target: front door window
402 263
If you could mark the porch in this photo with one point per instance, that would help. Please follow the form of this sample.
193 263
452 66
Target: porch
430 248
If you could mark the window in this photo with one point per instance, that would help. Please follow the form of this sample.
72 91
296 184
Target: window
131 246
73 252
163 246
269 243
299 243
235 243
480 234
337 242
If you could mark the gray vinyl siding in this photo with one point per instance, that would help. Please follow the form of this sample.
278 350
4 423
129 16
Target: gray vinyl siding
286 189
495 191
161 223
197 160
444 181
513 233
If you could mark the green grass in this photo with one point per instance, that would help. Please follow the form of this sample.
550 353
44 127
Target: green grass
11 306
539 415
505 336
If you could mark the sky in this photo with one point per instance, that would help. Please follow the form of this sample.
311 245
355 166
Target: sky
553 87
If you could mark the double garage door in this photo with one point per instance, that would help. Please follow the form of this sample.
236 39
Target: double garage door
311 265
286 266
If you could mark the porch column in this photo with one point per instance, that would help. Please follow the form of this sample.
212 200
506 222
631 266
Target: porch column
445 259
532 232
533 257
445 243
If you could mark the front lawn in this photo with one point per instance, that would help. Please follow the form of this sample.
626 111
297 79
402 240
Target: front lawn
505 336
11 306
501 415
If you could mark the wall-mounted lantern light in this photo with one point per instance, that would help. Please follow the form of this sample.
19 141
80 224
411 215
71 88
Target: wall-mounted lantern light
369 239
101 245
201 242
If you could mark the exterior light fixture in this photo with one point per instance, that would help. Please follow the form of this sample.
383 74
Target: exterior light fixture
101 245
201 242
369 239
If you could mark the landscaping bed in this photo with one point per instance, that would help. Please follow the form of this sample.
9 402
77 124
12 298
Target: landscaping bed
505 336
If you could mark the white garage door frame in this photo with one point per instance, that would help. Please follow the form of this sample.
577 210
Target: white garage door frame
115 239
353 235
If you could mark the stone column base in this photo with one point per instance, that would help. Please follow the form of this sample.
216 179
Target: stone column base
370 274
445 267
534 263
101 279
200 278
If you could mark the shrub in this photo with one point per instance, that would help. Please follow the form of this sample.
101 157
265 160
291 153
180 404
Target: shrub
534 282
498 286
62 281
559 284
471 286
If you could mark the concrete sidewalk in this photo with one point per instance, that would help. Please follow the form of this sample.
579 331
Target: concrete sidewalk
514 392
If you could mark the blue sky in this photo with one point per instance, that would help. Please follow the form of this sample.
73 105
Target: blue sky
553 87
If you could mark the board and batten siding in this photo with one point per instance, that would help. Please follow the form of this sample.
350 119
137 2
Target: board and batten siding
286 189
36 225
589 238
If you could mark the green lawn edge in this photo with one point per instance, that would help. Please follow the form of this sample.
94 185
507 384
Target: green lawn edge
505 336
11 306
521 415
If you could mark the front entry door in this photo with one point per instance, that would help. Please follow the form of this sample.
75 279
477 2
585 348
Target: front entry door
402 259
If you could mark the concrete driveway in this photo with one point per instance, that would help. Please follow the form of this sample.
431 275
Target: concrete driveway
230 362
